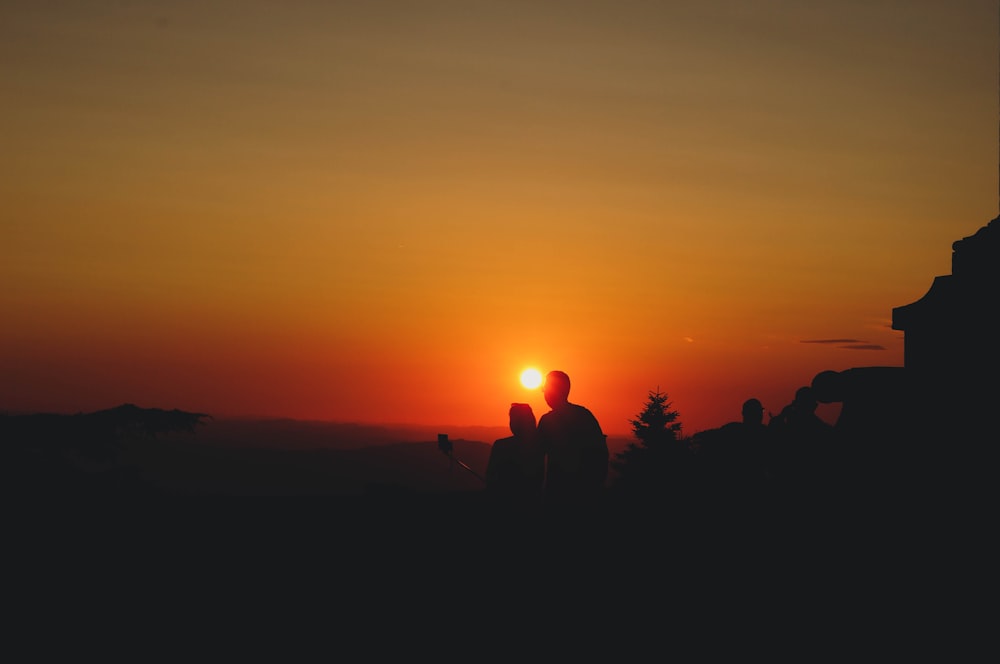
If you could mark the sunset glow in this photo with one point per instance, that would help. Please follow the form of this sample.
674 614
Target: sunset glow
380 212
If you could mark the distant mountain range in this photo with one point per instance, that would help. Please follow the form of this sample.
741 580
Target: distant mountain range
295 457
287 433
156 451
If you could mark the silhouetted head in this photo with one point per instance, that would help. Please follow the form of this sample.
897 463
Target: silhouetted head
828 386
556 389
522 419
753 411
805 399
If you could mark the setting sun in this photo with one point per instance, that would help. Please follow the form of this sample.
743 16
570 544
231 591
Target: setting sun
531 378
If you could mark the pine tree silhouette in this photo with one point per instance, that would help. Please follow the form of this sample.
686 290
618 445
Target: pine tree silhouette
660 460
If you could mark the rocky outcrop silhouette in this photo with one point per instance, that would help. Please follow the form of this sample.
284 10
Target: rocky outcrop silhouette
930 422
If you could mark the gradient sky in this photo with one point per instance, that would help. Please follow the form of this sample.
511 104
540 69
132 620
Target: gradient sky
383 211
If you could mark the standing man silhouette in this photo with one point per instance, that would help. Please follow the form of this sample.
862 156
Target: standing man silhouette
575 447
735 454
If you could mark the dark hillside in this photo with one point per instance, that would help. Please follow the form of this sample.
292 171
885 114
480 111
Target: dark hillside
130 450
195 467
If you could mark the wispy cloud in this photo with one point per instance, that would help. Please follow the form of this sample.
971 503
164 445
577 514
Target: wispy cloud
848 344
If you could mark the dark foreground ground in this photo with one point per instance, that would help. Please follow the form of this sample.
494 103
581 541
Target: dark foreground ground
396 572
362 544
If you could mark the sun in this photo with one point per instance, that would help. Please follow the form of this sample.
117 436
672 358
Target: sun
531 378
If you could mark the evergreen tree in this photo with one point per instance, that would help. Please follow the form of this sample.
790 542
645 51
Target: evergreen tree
660 459
657 425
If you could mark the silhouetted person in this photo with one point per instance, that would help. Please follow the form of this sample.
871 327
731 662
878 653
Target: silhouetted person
734 456
575 447
801 442
515 472
881 435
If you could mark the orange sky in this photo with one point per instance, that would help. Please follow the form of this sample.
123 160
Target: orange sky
383 211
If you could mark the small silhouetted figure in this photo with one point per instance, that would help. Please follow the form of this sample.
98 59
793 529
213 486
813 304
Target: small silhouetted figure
575 447
801 442
515 472
734 456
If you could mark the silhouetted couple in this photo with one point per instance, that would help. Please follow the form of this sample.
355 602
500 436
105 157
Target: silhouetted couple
560 463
